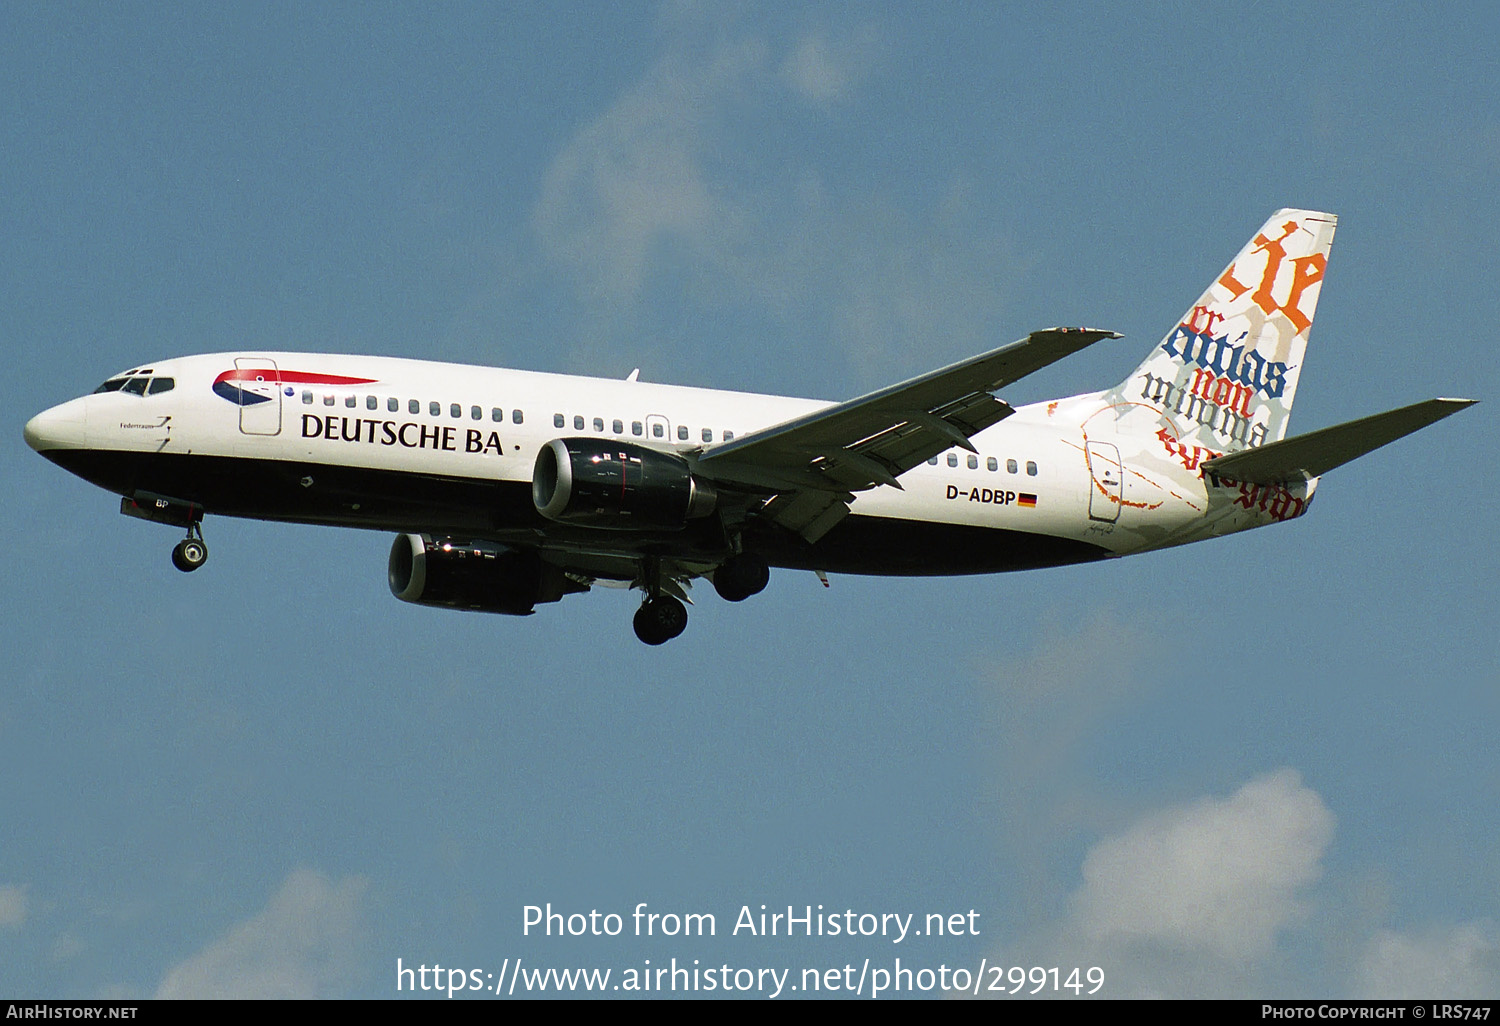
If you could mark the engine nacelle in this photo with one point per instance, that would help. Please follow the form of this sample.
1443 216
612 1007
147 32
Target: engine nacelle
476 575
596 482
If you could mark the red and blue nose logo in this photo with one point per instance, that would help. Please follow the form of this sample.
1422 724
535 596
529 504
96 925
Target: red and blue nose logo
260 384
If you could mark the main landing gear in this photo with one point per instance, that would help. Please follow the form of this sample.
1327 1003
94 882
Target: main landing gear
660 619
663 616
741 576
192 552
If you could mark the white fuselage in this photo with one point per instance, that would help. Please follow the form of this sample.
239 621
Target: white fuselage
1051 471
512 488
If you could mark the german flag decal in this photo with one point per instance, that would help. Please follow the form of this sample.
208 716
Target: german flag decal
1026 500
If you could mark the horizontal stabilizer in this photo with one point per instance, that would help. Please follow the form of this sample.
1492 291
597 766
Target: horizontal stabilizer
1314 454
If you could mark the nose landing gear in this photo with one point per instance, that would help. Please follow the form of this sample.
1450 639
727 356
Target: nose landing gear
192 552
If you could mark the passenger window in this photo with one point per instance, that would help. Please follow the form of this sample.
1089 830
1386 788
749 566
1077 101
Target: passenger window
1031 468
497 414
393 405
657 431
682 433
434 409
992 463
577 423
160 385
455 411
371 403
557 420
517 416
328 400
729 436
635 427
973 462
413 406
933 461
708 434
599 425
953 459
475 413
135 386
1010 466
619 427
307 397
350 401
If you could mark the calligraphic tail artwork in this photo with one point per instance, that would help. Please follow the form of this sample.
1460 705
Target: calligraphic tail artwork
1224 377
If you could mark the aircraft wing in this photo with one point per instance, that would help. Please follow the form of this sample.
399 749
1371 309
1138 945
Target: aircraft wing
1307 456
816 462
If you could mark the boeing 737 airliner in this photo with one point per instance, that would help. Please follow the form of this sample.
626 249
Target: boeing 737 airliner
511 488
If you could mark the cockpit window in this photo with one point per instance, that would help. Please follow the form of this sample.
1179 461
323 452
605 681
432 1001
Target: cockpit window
137 383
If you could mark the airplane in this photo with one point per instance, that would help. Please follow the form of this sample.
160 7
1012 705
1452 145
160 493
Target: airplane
508 489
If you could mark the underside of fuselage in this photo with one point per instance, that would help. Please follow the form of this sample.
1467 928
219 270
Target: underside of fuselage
503 511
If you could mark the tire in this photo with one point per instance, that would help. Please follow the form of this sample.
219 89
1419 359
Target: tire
189 554
740 577
659 620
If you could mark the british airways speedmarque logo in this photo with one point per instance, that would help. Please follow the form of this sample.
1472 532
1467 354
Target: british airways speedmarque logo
259 384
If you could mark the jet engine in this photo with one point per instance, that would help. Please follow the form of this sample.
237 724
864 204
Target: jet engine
477 575
596 482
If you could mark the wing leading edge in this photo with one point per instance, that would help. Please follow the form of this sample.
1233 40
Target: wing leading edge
813 464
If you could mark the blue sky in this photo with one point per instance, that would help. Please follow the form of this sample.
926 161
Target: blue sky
1262 765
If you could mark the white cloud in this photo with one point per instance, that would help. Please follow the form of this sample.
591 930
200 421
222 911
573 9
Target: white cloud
635 176
1077 676
1217 897
1450 963
12 907
1210 899
824 70
1075 662
701 178
1189 901
67 946
1219 875
304 944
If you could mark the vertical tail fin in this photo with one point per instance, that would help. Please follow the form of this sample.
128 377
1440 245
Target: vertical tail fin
1225 376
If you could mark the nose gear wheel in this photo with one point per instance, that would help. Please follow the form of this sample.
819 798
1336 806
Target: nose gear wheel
192 552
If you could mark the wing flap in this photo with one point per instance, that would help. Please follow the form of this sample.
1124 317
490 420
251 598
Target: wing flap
1311 455
810 514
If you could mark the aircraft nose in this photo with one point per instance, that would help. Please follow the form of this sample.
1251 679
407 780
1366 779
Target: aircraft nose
62 427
